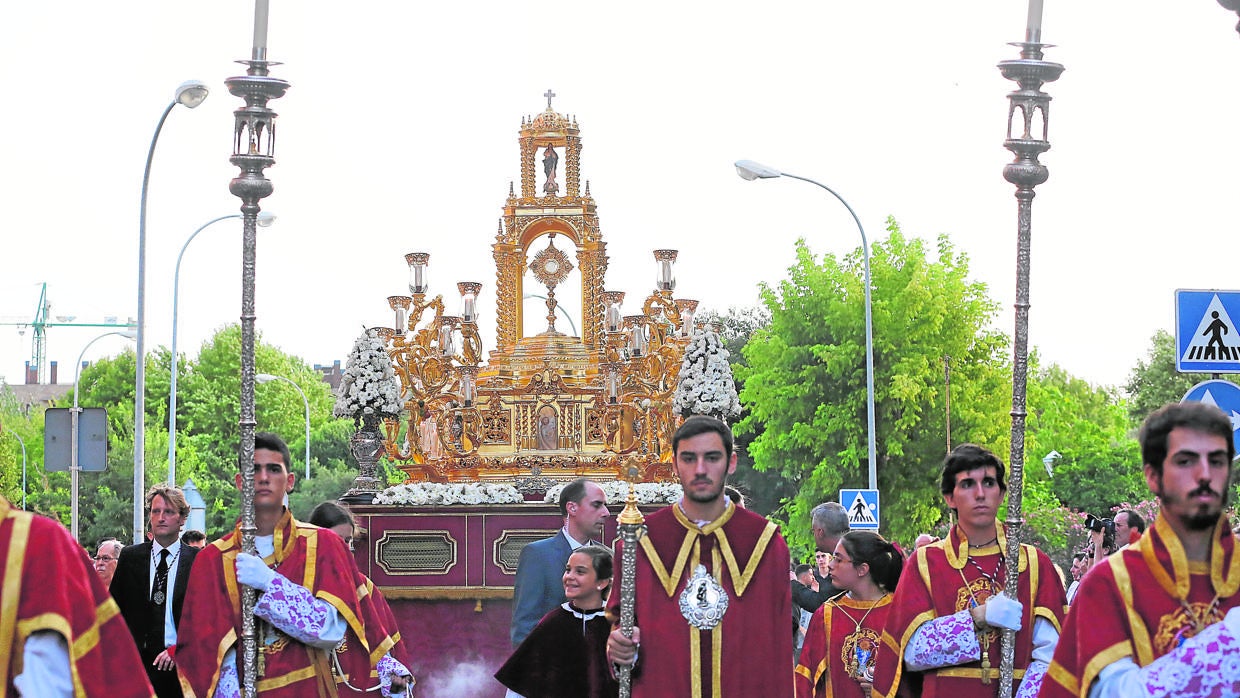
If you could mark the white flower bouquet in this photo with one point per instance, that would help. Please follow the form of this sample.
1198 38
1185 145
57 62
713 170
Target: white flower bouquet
705 385
369 388
617 492
435 494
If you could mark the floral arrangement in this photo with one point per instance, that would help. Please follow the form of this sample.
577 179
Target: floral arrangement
705 385
369 386
430 493
617 492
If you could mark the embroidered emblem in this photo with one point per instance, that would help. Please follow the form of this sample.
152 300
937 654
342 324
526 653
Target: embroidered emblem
703 602
858 654
1177 626
158 597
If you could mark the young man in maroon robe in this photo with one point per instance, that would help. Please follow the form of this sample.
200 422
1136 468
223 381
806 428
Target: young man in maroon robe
942 636
1146 621
53 602
712 597
312 599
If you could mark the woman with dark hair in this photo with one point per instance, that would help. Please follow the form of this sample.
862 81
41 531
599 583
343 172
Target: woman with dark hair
566 654
394 676
842 641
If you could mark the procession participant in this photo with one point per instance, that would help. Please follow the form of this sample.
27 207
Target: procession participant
392 669
565 655
57 620
944 625
711 595
1146 619
538 587
840 649
310 601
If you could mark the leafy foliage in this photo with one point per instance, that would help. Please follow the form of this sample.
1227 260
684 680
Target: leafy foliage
805 383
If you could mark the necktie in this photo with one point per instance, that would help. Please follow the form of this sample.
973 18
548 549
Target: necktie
159 592
154 639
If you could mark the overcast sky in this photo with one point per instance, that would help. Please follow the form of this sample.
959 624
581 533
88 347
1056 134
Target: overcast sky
399 134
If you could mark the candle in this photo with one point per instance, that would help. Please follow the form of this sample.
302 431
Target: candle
1033 25
260 24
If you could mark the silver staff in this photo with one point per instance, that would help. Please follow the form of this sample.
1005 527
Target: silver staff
1026 142
631 522
253 152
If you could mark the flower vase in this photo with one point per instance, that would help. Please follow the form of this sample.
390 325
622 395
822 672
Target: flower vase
366 445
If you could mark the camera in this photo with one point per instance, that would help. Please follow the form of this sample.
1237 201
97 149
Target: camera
1094 523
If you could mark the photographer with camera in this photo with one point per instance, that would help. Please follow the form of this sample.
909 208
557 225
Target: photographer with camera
1101 538
1161 618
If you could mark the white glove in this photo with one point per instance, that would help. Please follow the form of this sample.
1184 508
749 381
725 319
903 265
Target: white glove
253 572
1232 621
1001 612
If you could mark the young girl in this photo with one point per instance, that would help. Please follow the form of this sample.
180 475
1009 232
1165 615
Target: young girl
565 655
842 641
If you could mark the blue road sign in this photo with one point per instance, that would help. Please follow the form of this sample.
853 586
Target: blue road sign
862 506
1224 395
1206 339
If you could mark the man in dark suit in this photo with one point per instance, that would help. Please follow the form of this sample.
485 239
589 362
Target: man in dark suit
149 586
540 569
829 522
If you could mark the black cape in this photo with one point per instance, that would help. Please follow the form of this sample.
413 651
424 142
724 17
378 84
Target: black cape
564 657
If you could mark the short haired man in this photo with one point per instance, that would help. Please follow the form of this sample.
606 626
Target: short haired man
309 606
60 634
948 610
539 585
828 523
1129 526
711 600
149 587
923 540
194 538
105 560
1148 618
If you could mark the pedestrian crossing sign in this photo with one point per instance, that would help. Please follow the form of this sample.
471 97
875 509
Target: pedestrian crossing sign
862 507
1206 338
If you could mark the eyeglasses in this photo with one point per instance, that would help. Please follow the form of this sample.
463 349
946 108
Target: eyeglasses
105 558
835 557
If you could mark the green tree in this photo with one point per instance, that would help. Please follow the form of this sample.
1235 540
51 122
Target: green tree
1154 382
805 384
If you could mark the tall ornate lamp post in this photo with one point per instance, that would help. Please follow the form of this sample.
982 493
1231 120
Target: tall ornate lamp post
253 152
1030 72
189 94
267 378
74 415
264 219
750 170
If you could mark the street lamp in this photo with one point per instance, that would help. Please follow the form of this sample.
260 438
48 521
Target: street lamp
73 431
265 220
23 443
190 94
750 170
267 378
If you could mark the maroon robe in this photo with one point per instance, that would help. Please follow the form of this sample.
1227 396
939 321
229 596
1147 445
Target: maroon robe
933 584
746 655
564 655
834 647
307 555
49 585
1128 606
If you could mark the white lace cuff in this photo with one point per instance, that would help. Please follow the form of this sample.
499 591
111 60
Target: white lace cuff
1205 665
943 641
1032 683
295 611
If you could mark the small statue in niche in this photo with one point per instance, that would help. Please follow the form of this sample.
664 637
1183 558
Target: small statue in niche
550 160
547 435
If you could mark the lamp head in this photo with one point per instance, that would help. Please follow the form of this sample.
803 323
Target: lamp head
129 334
191 93
750 170
266 219
265 377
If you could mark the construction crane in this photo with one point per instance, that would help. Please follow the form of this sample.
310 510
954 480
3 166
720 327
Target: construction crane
40 325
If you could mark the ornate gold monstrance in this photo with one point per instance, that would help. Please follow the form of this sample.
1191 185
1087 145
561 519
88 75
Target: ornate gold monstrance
546 407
